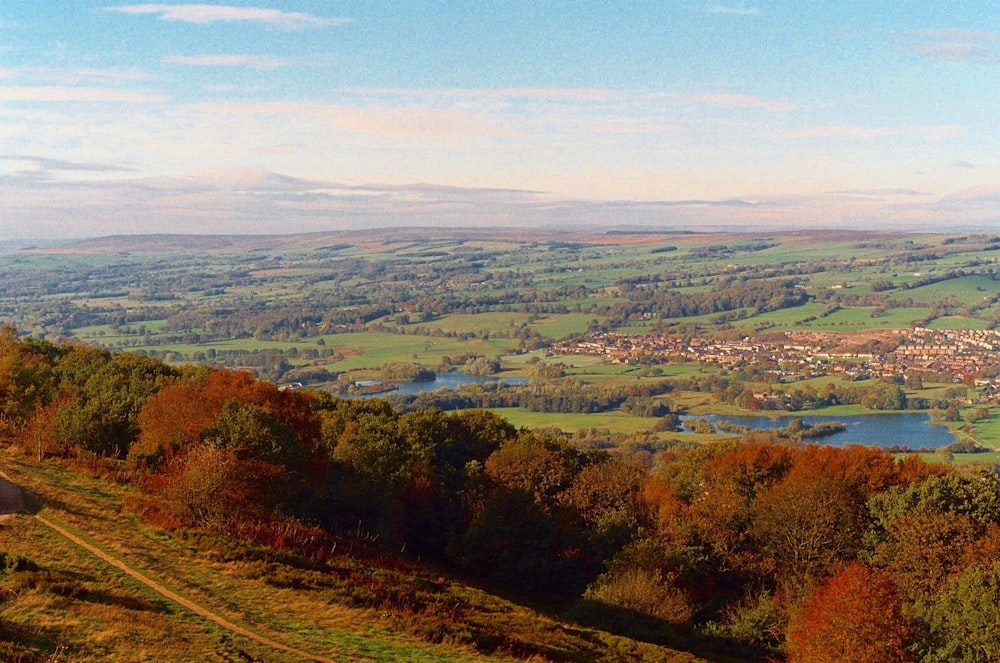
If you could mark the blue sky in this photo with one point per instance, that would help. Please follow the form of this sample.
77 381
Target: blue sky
302 115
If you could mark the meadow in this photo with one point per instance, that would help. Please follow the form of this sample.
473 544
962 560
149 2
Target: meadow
323 308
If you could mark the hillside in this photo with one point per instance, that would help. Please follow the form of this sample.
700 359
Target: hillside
66 604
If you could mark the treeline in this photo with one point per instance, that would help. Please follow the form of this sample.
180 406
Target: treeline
226 451
567 396
878 395
725 295
817 553
751 548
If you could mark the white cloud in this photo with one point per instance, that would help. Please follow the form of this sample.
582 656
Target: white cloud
44 163
955 52
254 61
735 11
740 101
956 45
408 122
585 94
633 126
71 76
113 74
67 94
204 14
859 132
953 34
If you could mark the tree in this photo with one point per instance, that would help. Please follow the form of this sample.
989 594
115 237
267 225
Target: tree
974 493
853 617
512 541
536 463
807 525
27 380
212 487
256 434
605 495
964 618
923 549
104 416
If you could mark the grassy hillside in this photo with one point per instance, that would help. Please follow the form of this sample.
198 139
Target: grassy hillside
66 604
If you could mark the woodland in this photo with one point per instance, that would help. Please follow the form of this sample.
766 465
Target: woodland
737 550
206 382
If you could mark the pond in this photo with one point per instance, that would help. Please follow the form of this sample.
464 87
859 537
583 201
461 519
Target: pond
452 380
913 430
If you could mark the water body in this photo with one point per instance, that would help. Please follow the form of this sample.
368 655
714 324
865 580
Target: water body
452 380
912 430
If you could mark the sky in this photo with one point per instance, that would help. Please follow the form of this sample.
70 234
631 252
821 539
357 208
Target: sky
264 116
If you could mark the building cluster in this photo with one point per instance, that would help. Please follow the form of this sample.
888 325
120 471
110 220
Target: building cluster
959 354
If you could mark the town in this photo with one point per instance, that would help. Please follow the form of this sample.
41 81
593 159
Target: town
961 356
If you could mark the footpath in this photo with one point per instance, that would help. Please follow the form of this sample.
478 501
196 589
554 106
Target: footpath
12 501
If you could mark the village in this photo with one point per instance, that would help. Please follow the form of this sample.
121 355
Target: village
960 356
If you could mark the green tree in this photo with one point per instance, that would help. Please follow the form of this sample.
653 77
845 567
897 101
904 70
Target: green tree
964 618
255 434
104 416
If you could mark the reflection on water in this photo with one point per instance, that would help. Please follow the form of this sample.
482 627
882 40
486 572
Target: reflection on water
913 430
452 380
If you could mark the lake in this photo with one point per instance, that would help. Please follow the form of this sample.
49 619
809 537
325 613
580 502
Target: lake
452 380
909 429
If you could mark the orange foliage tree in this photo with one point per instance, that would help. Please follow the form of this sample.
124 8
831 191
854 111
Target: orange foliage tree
181 413
853 617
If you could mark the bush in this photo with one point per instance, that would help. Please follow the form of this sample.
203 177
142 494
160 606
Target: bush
644 592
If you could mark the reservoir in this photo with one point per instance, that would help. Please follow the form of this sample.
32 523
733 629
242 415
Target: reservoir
452 380
912 430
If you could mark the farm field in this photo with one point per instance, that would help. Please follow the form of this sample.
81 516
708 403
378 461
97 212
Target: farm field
329 309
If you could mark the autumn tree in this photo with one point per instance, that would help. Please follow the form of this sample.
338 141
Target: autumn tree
853 617
234 409
27 378
539 464
606 496
806 525
923 549
211 487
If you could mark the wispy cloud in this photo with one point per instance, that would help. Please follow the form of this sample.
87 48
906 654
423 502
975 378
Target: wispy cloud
253 61
955 52
954 34
406 122
955 45
44 163
71 76
204 14
633 126
67 94
587 94
962 164
740 101
737 11
878 192
860 132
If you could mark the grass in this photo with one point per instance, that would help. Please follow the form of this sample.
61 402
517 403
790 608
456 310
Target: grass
372 609
615 422
366 350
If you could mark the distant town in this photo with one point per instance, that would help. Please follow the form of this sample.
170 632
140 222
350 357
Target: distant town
960 356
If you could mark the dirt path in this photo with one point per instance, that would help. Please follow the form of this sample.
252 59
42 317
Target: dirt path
12 501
